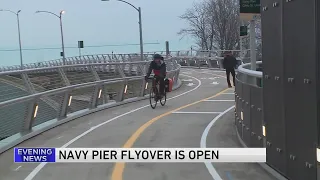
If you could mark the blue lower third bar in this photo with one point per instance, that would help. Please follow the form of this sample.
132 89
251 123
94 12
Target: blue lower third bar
34 155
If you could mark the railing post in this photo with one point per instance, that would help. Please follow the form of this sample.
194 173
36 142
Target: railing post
63 110
32 107
28 83
110 57
96 91
120 93
198 62
209 63
176 77
64 77
143 88
64 105
115 57
94 73
188 62
95 96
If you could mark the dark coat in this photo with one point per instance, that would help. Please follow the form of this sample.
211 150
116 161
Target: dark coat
158 69
229 62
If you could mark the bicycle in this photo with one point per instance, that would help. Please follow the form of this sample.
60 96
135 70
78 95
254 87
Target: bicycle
154 94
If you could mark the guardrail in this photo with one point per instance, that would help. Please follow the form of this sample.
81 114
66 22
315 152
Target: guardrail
248 110
35 100
249 118
109 58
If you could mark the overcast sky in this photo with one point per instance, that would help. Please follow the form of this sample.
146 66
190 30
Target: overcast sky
93 21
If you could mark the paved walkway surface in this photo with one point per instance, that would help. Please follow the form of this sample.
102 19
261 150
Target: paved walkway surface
199 114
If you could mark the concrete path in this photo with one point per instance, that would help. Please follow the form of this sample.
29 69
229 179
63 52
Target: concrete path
191 118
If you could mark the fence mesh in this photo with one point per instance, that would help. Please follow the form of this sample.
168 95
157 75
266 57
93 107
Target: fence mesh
80 99
44 81
80 77
133 89
104 97
48 108
113 90
12 119
12 87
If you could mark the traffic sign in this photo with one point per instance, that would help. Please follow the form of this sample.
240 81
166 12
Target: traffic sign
249 9
80 44
250 6
243 30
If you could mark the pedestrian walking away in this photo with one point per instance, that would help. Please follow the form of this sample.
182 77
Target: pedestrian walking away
229 64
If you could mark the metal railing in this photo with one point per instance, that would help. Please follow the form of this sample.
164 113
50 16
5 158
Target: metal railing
248 110
249 117
251 77
34 100
188 56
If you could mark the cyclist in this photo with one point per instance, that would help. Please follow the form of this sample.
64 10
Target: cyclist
160 70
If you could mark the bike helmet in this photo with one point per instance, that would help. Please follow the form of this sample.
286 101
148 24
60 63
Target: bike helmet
157 56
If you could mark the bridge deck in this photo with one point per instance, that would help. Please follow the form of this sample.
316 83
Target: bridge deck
184 122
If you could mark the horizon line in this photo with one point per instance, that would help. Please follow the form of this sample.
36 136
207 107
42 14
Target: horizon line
76 47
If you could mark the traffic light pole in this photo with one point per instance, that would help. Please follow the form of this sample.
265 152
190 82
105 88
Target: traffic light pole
253 45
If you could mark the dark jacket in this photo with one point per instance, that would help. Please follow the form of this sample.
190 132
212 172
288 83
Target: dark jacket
229 62
158 69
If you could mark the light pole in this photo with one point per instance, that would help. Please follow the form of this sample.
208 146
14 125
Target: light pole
140 25
60 17
192 48
18 21
253 45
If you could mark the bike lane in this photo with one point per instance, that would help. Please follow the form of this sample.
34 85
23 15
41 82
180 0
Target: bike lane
113 134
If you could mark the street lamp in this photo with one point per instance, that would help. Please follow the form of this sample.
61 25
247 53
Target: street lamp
140 25
18 21
60 17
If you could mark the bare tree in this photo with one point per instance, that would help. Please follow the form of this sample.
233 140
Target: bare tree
224 20
196 18
214 24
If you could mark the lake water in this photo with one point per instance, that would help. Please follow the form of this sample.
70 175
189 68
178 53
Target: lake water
11 56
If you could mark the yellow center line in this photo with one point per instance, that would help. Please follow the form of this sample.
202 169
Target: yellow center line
119 167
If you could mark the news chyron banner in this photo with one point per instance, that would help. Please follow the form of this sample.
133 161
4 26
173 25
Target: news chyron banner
154 155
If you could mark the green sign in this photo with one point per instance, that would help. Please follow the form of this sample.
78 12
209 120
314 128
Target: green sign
80 44
243 30
250 6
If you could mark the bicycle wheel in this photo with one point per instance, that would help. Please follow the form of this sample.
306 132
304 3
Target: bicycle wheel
163 100
152 98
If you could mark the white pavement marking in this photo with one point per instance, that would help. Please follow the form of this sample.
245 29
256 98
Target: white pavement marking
182 112
17 168
187 80
203 78
214 78
35 171
59 137
190 84
222 100
215 83
203 144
